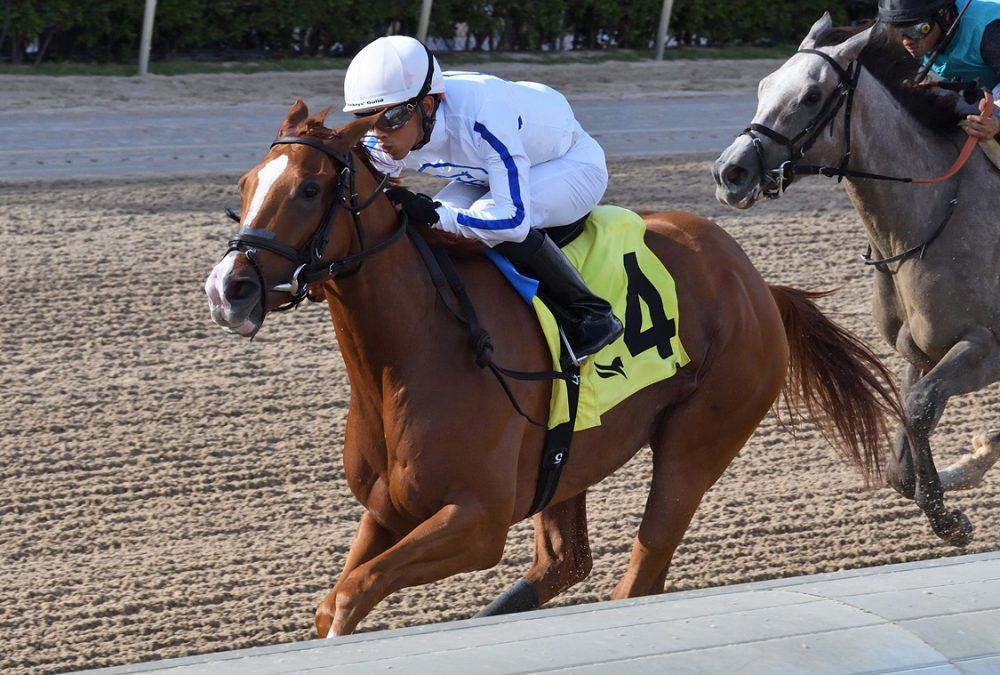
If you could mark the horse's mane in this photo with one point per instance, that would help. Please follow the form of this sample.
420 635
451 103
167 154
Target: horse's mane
891 65
459 246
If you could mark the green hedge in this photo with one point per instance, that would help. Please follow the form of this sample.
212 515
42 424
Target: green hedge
109 30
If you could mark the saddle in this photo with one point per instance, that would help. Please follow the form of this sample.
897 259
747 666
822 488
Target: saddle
608 249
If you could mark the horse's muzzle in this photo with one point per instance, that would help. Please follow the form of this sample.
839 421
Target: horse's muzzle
737 177
234 298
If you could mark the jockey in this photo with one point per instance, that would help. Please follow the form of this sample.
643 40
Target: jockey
970 52
517 159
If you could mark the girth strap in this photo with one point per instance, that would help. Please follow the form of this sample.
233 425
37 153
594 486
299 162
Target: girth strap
557 440
555 454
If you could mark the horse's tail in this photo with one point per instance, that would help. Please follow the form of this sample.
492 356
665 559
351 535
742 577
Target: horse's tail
843 386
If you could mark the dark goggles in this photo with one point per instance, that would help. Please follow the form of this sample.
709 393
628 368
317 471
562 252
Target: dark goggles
915 31
393 118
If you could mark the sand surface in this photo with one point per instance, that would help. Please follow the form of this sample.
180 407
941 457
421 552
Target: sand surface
170 490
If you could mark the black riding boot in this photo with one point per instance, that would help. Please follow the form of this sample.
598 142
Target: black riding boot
587 320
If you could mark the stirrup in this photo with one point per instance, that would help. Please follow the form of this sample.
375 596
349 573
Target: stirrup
570 354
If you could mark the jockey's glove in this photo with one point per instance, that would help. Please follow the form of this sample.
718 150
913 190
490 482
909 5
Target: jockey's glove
418 206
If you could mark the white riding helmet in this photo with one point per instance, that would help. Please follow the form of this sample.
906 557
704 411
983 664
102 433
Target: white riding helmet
389 71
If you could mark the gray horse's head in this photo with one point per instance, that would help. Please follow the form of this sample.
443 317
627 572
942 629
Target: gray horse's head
791 102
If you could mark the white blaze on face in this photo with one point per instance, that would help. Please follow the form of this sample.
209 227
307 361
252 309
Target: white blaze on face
213 284
265 179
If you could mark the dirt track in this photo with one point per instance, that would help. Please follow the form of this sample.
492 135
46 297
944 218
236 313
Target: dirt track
170 490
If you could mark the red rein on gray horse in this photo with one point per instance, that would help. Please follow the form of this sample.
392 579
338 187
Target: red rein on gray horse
434 449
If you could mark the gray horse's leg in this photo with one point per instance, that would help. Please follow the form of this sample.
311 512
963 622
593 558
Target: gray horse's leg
969 365
900 473
968 471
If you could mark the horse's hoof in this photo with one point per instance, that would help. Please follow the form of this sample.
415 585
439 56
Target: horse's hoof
959 534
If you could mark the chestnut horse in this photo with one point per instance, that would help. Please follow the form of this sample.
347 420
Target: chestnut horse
434 450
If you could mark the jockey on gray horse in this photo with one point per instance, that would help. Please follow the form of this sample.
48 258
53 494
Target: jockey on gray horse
957 46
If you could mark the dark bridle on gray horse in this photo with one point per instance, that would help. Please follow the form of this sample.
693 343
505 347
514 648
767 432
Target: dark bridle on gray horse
778 180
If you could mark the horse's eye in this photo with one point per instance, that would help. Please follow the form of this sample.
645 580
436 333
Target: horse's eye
310 190
812 98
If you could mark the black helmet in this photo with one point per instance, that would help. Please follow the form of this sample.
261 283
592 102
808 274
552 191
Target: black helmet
909 11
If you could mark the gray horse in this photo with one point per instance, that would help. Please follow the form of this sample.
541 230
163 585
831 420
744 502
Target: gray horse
839 107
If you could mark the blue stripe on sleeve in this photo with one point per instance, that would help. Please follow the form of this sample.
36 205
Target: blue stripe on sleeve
515 190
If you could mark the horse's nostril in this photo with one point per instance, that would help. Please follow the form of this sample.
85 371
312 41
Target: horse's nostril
735 175
241 290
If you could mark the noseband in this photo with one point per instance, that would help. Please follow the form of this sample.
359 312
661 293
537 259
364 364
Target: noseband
308 260
776 181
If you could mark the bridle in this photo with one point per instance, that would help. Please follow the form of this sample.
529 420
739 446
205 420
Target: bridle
308 262
776 181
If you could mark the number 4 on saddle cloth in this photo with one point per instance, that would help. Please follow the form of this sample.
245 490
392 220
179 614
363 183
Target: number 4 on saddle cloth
613 259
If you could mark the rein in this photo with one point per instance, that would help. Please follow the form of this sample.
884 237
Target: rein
309 265
867 259
445 277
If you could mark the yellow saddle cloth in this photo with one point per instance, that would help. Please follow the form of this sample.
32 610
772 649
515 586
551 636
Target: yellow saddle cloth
613 259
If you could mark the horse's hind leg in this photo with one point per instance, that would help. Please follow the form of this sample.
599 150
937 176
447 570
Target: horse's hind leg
900 473
562 558
692 446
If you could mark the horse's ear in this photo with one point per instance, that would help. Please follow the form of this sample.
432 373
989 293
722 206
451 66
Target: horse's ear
296 116
321 115
850 49
348 135
824 24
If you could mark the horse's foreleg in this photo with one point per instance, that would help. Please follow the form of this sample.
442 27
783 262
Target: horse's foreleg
371 540
969 365
455 539
562 558
900 473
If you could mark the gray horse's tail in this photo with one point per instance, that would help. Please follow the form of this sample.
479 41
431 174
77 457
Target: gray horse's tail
847 392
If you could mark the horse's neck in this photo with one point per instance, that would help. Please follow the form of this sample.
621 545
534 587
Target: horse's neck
382 311
887 140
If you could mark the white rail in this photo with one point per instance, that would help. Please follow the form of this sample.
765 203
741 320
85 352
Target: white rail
933 617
